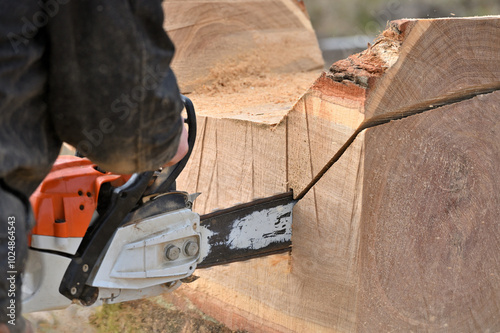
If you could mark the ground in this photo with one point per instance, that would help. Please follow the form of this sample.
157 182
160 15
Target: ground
152 315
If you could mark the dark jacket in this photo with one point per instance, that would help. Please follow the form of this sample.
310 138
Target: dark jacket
91 73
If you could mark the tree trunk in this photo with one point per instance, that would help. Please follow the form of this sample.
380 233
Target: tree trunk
401 233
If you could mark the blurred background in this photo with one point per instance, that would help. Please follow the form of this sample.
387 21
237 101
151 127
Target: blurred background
345 27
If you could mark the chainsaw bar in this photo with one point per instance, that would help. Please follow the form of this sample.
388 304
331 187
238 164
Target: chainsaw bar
251 230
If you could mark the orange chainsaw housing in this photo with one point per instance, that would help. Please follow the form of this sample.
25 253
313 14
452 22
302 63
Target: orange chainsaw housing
66 200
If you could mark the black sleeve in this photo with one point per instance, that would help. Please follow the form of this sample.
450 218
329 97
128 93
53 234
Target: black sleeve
112 93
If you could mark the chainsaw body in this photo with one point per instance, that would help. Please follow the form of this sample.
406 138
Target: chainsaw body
145 256
108 238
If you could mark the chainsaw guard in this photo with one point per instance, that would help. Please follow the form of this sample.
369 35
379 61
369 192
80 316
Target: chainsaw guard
137 256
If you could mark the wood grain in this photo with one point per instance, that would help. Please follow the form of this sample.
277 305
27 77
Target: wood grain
401 233
439 61
430 231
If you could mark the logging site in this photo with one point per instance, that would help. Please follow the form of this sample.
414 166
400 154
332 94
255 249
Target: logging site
342 174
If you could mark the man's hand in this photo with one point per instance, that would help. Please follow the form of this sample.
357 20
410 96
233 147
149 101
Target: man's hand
181 150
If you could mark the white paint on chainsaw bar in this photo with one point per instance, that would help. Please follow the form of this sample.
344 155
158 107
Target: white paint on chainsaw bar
206 234
259 229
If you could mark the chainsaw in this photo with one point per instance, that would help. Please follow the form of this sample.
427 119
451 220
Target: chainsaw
103 238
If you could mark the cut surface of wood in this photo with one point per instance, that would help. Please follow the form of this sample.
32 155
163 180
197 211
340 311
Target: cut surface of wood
429 254
400 233
215 39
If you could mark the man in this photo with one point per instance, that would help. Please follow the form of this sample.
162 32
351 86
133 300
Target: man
91 73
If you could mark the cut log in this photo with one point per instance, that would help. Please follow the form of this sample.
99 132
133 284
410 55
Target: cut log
430 250
216 39
401 233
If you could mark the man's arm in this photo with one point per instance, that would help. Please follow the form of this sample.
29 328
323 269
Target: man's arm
112 93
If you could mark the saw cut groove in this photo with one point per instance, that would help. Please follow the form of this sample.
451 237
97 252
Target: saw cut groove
400 114
310 160
201 154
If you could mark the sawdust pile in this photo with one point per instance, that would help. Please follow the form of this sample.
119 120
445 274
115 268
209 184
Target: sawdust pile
236 74
251 71
246 86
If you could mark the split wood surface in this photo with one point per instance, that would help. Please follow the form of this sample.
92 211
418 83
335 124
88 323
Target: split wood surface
402 232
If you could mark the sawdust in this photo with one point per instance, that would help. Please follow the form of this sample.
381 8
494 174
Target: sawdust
250 92
249 87
233 75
